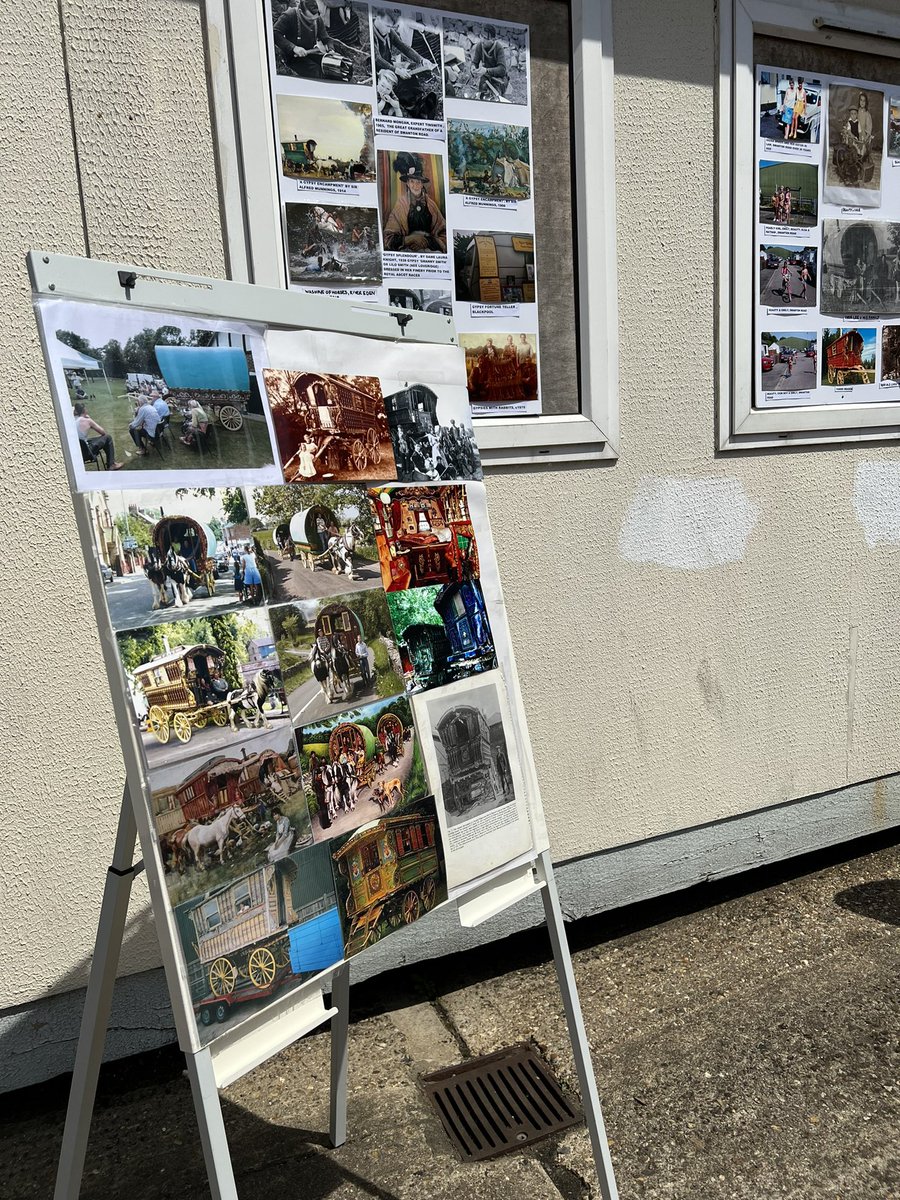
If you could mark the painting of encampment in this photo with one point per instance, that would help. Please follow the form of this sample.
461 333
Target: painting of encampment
326 139
488 159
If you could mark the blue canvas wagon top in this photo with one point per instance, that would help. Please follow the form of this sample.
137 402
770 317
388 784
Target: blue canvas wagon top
204 368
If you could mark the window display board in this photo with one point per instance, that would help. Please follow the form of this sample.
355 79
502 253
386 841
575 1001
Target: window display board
405 169
299 606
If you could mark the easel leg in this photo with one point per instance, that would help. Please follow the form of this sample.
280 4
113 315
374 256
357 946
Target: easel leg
208 1108
340 1032
590 1100
97 1005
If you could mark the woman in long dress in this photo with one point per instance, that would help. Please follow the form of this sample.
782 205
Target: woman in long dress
306 464
284 837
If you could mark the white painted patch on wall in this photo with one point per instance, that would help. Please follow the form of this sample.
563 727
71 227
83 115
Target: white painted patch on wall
688 524
876 498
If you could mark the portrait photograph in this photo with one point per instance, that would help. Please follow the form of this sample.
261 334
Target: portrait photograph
431 429
411 198
855 146
790 107
485 60
325 42
333 246
326 139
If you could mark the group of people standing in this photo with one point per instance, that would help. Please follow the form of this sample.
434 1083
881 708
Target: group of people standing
793 107
504 374
443 452
781 206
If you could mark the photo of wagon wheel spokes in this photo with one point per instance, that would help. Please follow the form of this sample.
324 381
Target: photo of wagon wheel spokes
219 716
358 455
231 417
158 723
200 720
429 893
412 907
282 952
262 967
181 723
372 447
223 977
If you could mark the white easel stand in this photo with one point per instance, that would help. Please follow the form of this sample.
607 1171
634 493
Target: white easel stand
98 1003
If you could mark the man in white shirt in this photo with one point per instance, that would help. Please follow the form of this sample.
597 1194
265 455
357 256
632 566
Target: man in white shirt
362 657
143 427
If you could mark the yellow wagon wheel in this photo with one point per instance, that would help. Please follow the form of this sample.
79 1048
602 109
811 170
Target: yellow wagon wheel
429 892
358 454
219 716
200 720
181 723
222 977
230 417
411 907
159 723
261 967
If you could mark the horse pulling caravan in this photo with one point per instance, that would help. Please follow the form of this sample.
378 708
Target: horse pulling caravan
183 551
319 542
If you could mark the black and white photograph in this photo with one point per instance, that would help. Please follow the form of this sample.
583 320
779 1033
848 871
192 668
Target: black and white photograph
860 268
318 40
421 300
431 429
787 276
472 754
333 246
485 60
855 145
407 44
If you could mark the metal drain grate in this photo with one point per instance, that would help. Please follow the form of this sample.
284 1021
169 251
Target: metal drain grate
489 1106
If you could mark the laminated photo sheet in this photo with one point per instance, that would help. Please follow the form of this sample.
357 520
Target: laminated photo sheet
405 94
827 280
104 358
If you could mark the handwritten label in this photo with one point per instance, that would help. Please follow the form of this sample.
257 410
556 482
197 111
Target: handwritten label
398 264
489 202
337 187
401 127
509 311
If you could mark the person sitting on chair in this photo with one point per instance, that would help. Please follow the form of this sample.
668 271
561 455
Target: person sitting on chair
197 424
143 427
160 405
85 424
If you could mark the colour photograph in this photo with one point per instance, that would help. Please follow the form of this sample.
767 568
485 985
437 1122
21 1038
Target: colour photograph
855 146
421 300
219 817
325 42
431 429
326 139
388 873
489 160
336 653
199 685
848 356
890 353
860 268
893 146
485 60
332 246
790 107
501 368
270 929
443 633
787 276
407 45
788 193
424 536
789 361
411 197
330 427
360 766
493 268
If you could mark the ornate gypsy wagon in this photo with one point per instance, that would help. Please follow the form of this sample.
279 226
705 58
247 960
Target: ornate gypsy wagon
193 542
217 377
843 359
391 732
346 423
309 547
182 689
340 624
414 410
424 535
474 771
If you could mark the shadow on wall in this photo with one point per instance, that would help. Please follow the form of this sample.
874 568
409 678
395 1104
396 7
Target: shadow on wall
879 900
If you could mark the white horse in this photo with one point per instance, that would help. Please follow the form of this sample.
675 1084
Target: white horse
248 702
341 549
214 835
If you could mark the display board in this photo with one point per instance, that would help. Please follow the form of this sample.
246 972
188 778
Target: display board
828 245
405 172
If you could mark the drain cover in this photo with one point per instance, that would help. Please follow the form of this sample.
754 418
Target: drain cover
489 1106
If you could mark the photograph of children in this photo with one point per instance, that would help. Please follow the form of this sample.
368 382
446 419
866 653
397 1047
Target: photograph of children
326 139
788 193
855 144
890 353
411 196
409 879
168 553
361 765
489 160
893 147
271 929
407 46
485 61
790 107
330 427
501 368
493 268
322 40
848 356
789 362
424 536
221 815
432 433
337 653
418 300
199 685
443 633
787 276
860 267
308 535
332 246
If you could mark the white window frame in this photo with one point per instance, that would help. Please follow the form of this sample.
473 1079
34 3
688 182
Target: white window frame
741 426
251 215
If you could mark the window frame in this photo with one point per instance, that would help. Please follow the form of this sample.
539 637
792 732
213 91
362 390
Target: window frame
251 217
740 425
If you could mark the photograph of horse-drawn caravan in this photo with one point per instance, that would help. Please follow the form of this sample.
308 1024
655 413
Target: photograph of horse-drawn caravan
361 765
313 540
848 356
330 427
388 873
431 428
246 940
332 246
336 653
220 816
424 535
199 685
860 268
322 41
156 393
326 140
443 633
487 159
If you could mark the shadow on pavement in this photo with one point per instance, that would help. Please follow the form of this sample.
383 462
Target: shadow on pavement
879 900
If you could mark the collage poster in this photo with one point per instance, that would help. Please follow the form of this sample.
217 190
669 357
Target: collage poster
404 165
827 301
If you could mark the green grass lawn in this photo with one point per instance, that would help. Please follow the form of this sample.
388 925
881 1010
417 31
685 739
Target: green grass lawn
112 408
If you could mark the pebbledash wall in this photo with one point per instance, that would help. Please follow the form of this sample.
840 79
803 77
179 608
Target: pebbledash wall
708 645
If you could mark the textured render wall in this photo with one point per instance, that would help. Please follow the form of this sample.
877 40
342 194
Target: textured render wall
698 636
